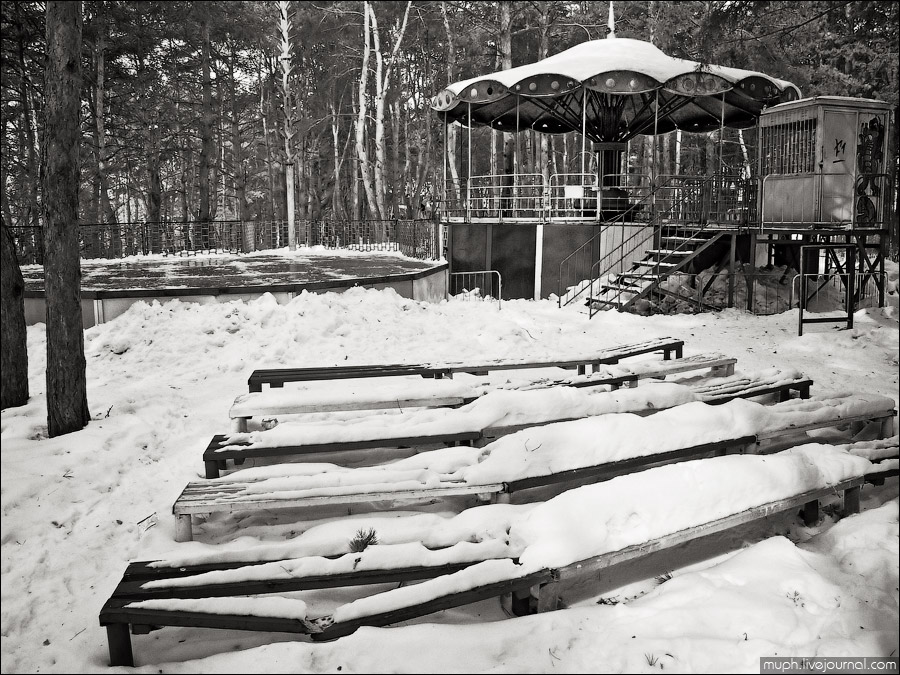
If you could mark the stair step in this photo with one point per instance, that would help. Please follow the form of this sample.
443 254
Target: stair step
678 238
665 252
653 263
601 301
619 289
638 275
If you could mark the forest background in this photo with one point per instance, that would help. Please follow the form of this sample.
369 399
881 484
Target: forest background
191 110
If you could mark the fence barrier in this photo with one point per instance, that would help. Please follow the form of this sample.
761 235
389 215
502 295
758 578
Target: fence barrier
413 238
760 293
478 285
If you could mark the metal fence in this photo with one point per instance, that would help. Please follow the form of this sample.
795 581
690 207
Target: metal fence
478 285
761 293
413 238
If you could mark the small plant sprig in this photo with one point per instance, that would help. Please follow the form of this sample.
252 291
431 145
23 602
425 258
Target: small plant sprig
362 540
663 578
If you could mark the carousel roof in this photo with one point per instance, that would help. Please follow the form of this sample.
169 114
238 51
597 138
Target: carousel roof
610 86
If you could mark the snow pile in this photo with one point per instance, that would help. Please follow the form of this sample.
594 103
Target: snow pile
161 378
636 508
576 525
495 409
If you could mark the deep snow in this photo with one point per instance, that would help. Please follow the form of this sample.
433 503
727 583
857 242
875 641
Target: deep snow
161 379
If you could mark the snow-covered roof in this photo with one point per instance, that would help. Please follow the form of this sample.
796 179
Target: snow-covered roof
618 79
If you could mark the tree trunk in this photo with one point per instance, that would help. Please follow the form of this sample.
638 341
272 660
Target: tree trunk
455 191
13 354
336 205
287 107
67 408
206 135
237 149
365 167
509 142
107 214
31 182
382 85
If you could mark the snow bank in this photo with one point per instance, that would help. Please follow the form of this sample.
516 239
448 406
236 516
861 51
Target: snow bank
636 508
495 409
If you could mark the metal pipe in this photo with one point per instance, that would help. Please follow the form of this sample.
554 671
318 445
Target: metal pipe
469 172
583 128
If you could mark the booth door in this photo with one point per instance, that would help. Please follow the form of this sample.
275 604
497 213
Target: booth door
512 254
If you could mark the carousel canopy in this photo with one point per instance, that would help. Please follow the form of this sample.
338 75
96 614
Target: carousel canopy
611 88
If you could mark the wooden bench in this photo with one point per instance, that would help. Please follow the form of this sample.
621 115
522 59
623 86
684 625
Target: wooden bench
236 494
533 587
219 450
403 394
277 377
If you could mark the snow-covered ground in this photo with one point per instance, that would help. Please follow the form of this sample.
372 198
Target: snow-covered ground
161 379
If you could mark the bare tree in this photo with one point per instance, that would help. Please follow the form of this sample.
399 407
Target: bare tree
284 31
13 353
67 408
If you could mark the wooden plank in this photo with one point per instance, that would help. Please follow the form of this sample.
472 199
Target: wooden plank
214 451
131 590
609 470
189 503
835 421
485 592
246 410
115 613
596 563
605 356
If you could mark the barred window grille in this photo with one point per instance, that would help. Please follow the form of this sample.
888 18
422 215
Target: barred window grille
789 148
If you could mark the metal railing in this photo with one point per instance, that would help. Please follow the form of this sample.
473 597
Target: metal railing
477 285
413 238
762 293
572 196
506 196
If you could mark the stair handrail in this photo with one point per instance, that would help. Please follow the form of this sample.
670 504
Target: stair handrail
564 298
702 181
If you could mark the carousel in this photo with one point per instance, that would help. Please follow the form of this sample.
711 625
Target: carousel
611 222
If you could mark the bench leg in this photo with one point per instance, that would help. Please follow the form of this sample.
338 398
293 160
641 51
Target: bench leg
722 371
212 468
183 531
804 391
851 501
784 395
239 425
520 602
119 640
887 427
811 513
548 597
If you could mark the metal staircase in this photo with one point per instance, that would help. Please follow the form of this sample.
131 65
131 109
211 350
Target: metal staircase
679 248
683 212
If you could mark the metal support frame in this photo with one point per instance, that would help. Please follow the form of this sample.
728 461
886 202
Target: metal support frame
850 271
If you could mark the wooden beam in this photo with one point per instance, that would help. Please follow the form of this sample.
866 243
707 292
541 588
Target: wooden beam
597 563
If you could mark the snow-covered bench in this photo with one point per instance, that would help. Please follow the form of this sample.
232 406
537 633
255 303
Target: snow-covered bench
277 377
492 415
402 394
573 452
525 550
